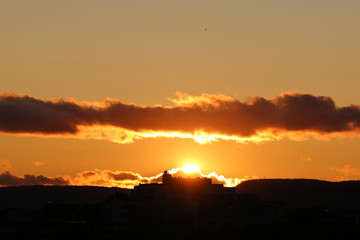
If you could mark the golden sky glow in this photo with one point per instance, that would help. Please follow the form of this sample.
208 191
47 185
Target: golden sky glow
270 88
190 168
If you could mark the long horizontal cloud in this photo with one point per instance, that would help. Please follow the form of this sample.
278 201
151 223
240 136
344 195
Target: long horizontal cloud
8 179
108 178
207 116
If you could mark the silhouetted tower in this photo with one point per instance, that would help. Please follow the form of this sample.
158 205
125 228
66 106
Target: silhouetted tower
166 178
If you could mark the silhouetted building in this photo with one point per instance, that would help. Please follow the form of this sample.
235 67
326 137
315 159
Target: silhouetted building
179 188
189 204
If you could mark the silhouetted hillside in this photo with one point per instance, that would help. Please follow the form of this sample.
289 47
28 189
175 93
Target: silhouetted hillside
36 196
293 192
305 192
184 209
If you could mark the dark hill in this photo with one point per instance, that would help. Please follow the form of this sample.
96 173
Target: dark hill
293 192
36 196
305 192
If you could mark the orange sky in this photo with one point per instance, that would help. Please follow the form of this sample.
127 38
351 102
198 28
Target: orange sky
143 52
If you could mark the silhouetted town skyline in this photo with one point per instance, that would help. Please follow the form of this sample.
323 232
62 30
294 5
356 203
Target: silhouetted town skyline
184 208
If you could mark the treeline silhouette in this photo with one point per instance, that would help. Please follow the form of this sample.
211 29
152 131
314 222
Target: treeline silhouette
256 209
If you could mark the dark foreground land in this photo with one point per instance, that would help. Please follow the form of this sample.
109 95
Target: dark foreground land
256 209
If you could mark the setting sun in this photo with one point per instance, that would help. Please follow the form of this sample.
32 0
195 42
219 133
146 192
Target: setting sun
190 168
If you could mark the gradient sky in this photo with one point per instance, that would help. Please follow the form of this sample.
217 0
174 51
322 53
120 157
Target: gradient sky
143 52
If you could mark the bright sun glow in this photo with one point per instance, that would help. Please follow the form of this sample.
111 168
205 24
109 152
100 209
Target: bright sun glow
190 168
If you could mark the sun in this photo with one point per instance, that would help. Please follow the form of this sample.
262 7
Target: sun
190 168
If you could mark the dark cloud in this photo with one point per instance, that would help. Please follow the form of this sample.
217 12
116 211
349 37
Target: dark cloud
124 176
208 113
24 114
124 179
88 174
8 179
121 176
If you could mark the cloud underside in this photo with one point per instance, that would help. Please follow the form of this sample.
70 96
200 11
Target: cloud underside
107 178
204 118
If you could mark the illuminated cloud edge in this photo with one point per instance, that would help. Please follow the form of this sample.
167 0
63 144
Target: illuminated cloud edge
205 119
108 178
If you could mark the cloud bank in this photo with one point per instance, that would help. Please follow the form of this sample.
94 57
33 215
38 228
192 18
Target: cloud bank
108 178
8 179
204 118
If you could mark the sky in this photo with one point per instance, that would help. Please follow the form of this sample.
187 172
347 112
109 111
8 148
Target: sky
115 92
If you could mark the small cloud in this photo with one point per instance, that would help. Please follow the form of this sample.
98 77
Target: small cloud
124 176
37 164
306 159
5 164
341 178
347 170
88 174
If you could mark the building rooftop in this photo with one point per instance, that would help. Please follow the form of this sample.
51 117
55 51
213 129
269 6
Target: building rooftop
167 179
